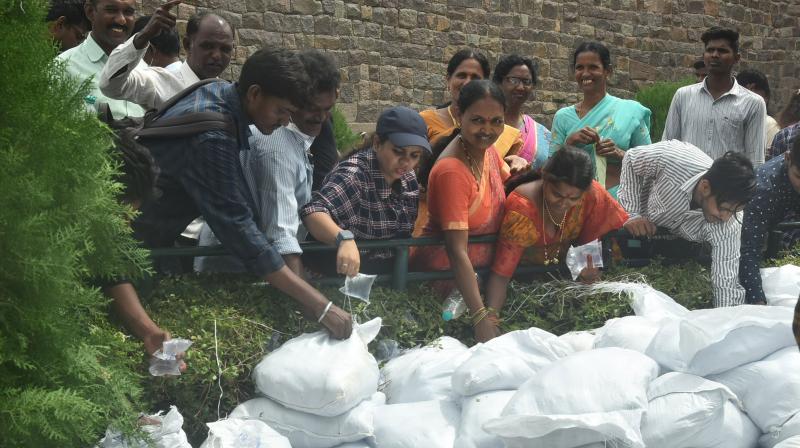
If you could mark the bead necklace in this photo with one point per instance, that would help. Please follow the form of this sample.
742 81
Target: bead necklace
473 166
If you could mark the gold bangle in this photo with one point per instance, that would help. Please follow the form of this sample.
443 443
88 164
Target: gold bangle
479 316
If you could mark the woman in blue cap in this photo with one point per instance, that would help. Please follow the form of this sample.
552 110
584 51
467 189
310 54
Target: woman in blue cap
372 194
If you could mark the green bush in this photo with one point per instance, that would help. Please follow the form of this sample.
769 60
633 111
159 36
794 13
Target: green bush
658 98
346 139
65 373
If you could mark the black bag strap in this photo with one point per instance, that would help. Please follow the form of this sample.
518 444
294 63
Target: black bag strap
184 125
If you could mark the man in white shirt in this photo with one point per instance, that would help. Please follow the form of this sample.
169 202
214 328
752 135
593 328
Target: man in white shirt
209 44
717 114
279 172
112 23
675 185
164 49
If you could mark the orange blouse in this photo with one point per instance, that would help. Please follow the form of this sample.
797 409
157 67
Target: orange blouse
521 231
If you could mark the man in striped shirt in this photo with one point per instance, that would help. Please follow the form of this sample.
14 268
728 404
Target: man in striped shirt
718 114
279 172
675 185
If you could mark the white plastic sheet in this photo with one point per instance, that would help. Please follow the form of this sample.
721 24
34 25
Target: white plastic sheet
507 361
631 332
319 375
580 341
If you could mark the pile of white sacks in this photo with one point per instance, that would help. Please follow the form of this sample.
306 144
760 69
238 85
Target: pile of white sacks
666 377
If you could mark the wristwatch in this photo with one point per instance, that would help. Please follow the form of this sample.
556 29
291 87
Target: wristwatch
344 235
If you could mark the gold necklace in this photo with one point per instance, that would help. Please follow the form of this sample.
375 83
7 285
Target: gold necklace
452 117
473 166
550 214
559 228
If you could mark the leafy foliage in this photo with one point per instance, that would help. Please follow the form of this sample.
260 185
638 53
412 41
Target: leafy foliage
658 98
346 139
65 373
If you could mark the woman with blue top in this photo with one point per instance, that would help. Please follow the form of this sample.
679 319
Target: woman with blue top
516 77
603 125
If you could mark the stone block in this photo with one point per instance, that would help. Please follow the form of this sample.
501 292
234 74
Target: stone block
711 7
407 18
293 24
642 71
259 38
253 20
476 15
385 16
349 110
696 7
327 42
323 25
366 13
310 7
549 10
406 77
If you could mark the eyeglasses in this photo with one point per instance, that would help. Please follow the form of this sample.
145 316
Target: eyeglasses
527 82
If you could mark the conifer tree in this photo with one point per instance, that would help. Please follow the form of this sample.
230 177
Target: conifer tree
63 376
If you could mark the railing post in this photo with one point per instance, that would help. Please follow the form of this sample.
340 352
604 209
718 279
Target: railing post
400 274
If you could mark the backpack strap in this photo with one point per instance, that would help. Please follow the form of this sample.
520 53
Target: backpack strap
185 125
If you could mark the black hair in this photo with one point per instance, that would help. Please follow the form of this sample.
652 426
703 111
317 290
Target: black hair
193 24
750 76
71 10
470 94
791 112
569 164
506 63
322 71
468 53
732 179
138 170
278 72
167 42
698 64
715 32
593 47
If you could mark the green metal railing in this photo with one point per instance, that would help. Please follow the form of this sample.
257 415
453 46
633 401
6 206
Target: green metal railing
400 277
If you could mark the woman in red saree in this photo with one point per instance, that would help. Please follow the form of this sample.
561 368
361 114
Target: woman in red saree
547 212
465 198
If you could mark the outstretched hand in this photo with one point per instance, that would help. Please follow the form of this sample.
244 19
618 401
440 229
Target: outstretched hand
161 20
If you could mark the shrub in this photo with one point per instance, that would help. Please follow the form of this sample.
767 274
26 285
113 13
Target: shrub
65 373
346 139
658 98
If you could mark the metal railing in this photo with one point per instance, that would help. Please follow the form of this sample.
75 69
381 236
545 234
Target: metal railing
400 276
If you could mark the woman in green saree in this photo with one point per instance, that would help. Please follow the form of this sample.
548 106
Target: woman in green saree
603 125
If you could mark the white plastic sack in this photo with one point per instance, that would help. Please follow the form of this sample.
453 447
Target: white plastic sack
477 410
507 361
168 433
769 389
580 341
706 342
787 435
781 285
313 431
645 300
425 373
236 433
319 375
359 444
429 424
687 411
631 332
588 397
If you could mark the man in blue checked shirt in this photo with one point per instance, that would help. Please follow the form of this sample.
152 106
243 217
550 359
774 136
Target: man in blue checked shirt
201 174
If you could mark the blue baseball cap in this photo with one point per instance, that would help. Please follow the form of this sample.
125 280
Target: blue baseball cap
403 127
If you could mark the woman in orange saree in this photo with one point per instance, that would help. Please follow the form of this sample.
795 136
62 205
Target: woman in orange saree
465 198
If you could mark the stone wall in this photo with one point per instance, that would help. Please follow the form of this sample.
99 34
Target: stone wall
395 51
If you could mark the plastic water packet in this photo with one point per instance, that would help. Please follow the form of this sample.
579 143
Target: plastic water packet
358 286
164 361
576 257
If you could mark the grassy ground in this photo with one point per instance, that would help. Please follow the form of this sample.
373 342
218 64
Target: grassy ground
239 321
